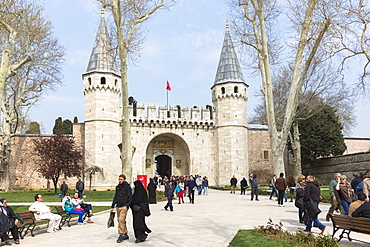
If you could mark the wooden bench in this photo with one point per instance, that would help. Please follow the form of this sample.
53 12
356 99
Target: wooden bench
349 224
27 223
66 218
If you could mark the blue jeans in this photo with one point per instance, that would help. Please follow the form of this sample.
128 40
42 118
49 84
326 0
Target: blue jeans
316 221
80 215
169 203
345 206
274 191
205 190
199 187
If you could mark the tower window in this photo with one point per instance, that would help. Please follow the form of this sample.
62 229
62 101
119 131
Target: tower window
102 80
223 90
89 80
235 89
115 82
265 154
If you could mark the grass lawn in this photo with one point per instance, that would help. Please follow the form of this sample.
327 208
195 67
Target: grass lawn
252 238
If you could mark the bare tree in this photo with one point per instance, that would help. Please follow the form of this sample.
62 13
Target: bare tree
31 64
255 21
129 16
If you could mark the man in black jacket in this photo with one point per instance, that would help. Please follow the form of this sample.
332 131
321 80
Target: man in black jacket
362 211
233 182
122 200
312 198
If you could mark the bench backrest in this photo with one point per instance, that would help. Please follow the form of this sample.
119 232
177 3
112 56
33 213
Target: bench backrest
60 209
361 224
26 216
341 220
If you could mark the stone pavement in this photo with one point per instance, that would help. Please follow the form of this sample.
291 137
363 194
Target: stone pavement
212 221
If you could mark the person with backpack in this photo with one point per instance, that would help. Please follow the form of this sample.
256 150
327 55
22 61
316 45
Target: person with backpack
334 199
271 184
299 203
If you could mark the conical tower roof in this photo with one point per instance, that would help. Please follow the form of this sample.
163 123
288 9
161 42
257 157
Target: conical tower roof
228 66
101 58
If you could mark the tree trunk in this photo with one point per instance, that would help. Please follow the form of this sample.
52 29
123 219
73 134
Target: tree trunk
126 151
296 145
55 182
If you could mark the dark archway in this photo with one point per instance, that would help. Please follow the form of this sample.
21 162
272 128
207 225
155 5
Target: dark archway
163 165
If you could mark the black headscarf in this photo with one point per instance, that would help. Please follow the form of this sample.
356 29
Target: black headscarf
140 195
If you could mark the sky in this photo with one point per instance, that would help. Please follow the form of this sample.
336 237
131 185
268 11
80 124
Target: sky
182 46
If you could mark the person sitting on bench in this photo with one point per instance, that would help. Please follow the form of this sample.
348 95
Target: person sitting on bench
80 203
70 208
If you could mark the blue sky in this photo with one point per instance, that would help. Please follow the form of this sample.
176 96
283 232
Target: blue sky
182 46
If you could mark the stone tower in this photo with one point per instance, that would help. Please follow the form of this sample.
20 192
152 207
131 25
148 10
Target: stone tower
102 83
229 97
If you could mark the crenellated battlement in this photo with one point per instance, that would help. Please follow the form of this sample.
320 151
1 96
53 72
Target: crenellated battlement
93 88
176 115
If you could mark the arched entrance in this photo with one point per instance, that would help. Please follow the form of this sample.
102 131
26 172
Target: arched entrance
163 165
166 155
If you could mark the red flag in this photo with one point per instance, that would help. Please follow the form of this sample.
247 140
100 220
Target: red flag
168 86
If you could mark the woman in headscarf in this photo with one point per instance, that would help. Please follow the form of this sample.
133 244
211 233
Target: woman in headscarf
152 187
140 209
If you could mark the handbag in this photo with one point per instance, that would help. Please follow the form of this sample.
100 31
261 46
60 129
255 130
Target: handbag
136 208
110 222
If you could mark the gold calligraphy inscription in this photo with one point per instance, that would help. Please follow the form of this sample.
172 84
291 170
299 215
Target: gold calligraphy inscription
163 144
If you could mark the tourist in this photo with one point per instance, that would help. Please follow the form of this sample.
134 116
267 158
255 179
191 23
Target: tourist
140 210
254 186
243 186
70 208
168 193
64 188
345 192
272 186
356 204
312 198
180 191
366 185
152 189
299 203
191 189
80 203
205 186
233 182
43 212
80 186
362 211
333 197
291 185
198 182
13 224
281 186
122 200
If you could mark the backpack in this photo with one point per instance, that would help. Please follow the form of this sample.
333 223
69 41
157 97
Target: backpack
359 186
4 222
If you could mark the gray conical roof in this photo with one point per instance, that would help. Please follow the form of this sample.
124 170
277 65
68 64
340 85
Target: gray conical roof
228 67
101 58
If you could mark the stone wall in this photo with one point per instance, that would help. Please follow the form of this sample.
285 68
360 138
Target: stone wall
325 169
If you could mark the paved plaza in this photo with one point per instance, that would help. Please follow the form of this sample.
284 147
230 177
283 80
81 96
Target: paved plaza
212 221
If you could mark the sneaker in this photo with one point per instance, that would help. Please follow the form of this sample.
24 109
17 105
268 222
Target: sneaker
90 221
50 231
17 241
282 205
137 241
120 239
125 237
279 205
8 242
257 200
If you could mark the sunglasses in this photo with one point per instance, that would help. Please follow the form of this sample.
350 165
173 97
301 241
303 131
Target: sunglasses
342 179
